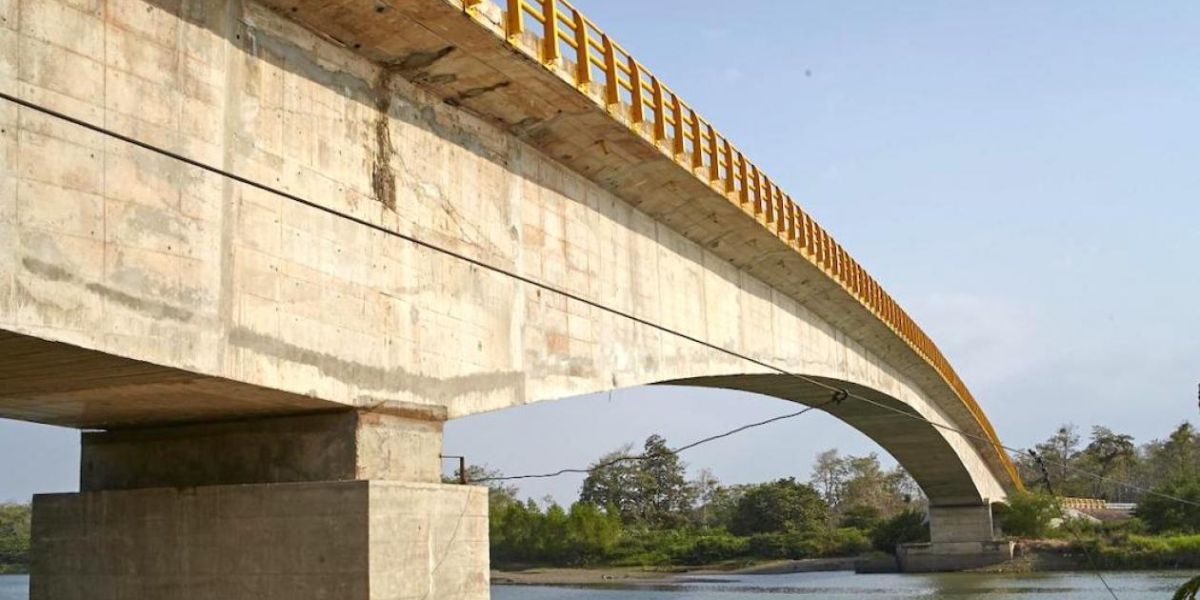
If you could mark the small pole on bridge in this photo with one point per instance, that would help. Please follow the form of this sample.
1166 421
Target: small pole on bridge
462 468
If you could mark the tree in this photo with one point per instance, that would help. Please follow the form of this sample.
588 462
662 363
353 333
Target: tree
1178 456
1111 456
1163 513
906 527
857 483
649 489
783 505
499 492
829 475
1028 514
613 482
1059 453
706 489
666 497
592 533
14 537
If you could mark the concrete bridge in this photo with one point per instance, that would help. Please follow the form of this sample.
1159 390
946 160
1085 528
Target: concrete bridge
261 251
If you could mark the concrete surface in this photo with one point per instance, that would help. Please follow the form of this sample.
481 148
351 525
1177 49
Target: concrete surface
114 258
177 309
352 540
952 556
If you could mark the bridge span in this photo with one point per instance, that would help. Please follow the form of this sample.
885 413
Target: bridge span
261 250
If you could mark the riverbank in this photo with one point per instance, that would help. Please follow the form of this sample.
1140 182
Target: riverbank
627 576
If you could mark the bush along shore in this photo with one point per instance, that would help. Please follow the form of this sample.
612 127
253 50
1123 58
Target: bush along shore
644 512
14 538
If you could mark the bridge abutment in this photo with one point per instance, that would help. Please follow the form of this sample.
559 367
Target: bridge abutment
335 505
961 537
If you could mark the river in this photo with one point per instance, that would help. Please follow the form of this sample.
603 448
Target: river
1143 585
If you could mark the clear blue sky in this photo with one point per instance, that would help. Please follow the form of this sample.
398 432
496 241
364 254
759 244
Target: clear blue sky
1023 176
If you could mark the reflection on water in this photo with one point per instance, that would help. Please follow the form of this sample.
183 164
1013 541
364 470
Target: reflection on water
836 586
839 586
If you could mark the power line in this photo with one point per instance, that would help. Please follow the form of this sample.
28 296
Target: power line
1066 524
670 452
532 282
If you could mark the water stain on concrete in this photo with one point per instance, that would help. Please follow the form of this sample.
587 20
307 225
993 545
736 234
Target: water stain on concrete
148 307
395 380
475 92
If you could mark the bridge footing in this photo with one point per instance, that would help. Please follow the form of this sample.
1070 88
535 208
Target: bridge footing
961 537
154 521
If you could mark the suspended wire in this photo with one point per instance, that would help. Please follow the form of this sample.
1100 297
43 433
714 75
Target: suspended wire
535 283
1020 451
669 452
1066 524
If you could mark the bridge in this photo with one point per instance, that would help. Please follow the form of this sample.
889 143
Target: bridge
260 251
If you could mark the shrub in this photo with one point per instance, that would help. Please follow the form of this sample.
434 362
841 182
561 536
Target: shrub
711 548
862 517
1162 513
905 528
779 506
14 537
1028 514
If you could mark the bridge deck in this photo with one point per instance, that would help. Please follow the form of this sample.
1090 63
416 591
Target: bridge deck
622 127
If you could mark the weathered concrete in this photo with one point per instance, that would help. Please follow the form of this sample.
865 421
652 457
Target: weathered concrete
113 251
961 537
341 446
138 292
353 540
331 505
952 556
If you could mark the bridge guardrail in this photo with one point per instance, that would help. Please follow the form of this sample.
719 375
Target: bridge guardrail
564 40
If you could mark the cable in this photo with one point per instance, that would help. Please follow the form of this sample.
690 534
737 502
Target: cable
518 277
669 452
1066 524
1020 451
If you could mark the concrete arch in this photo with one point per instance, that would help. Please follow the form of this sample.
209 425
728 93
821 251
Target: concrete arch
220 333
922 449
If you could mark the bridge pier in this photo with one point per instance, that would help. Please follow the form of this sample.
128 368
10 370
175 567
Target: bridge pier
961 537
345 505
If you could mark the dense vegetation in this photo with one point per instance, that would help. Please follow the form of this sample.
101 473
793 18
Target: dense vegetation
645 511
14 538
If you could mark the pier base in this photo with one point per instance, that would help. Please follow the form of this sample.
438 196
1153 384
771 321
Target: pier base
961 537
130 535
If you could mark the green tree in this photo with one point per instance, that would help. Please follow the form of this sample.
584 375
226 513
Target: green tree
614 481
666 497
499 492
592 533
907 527
1028 514
1161 512
783 505
14 537
858 483
1179 455
1112 456
650 489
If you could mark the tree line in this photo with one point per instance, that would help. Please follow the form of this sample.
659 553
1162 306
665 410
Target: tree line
645 511
1111 466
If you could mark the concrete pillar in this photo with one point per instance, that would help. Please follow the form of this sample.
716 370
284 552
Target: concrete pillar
345 505
961 537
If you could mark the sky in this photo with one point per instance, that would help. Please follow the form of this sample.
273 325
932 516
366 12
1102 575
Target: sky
1023 177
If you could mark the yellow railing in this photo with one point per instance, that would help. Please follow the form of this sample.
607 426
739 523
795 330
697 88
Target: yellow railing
562 38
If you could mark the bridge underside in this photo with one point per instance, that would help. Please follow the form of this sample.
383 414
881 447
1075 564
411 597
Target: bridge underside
195 483
266 379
